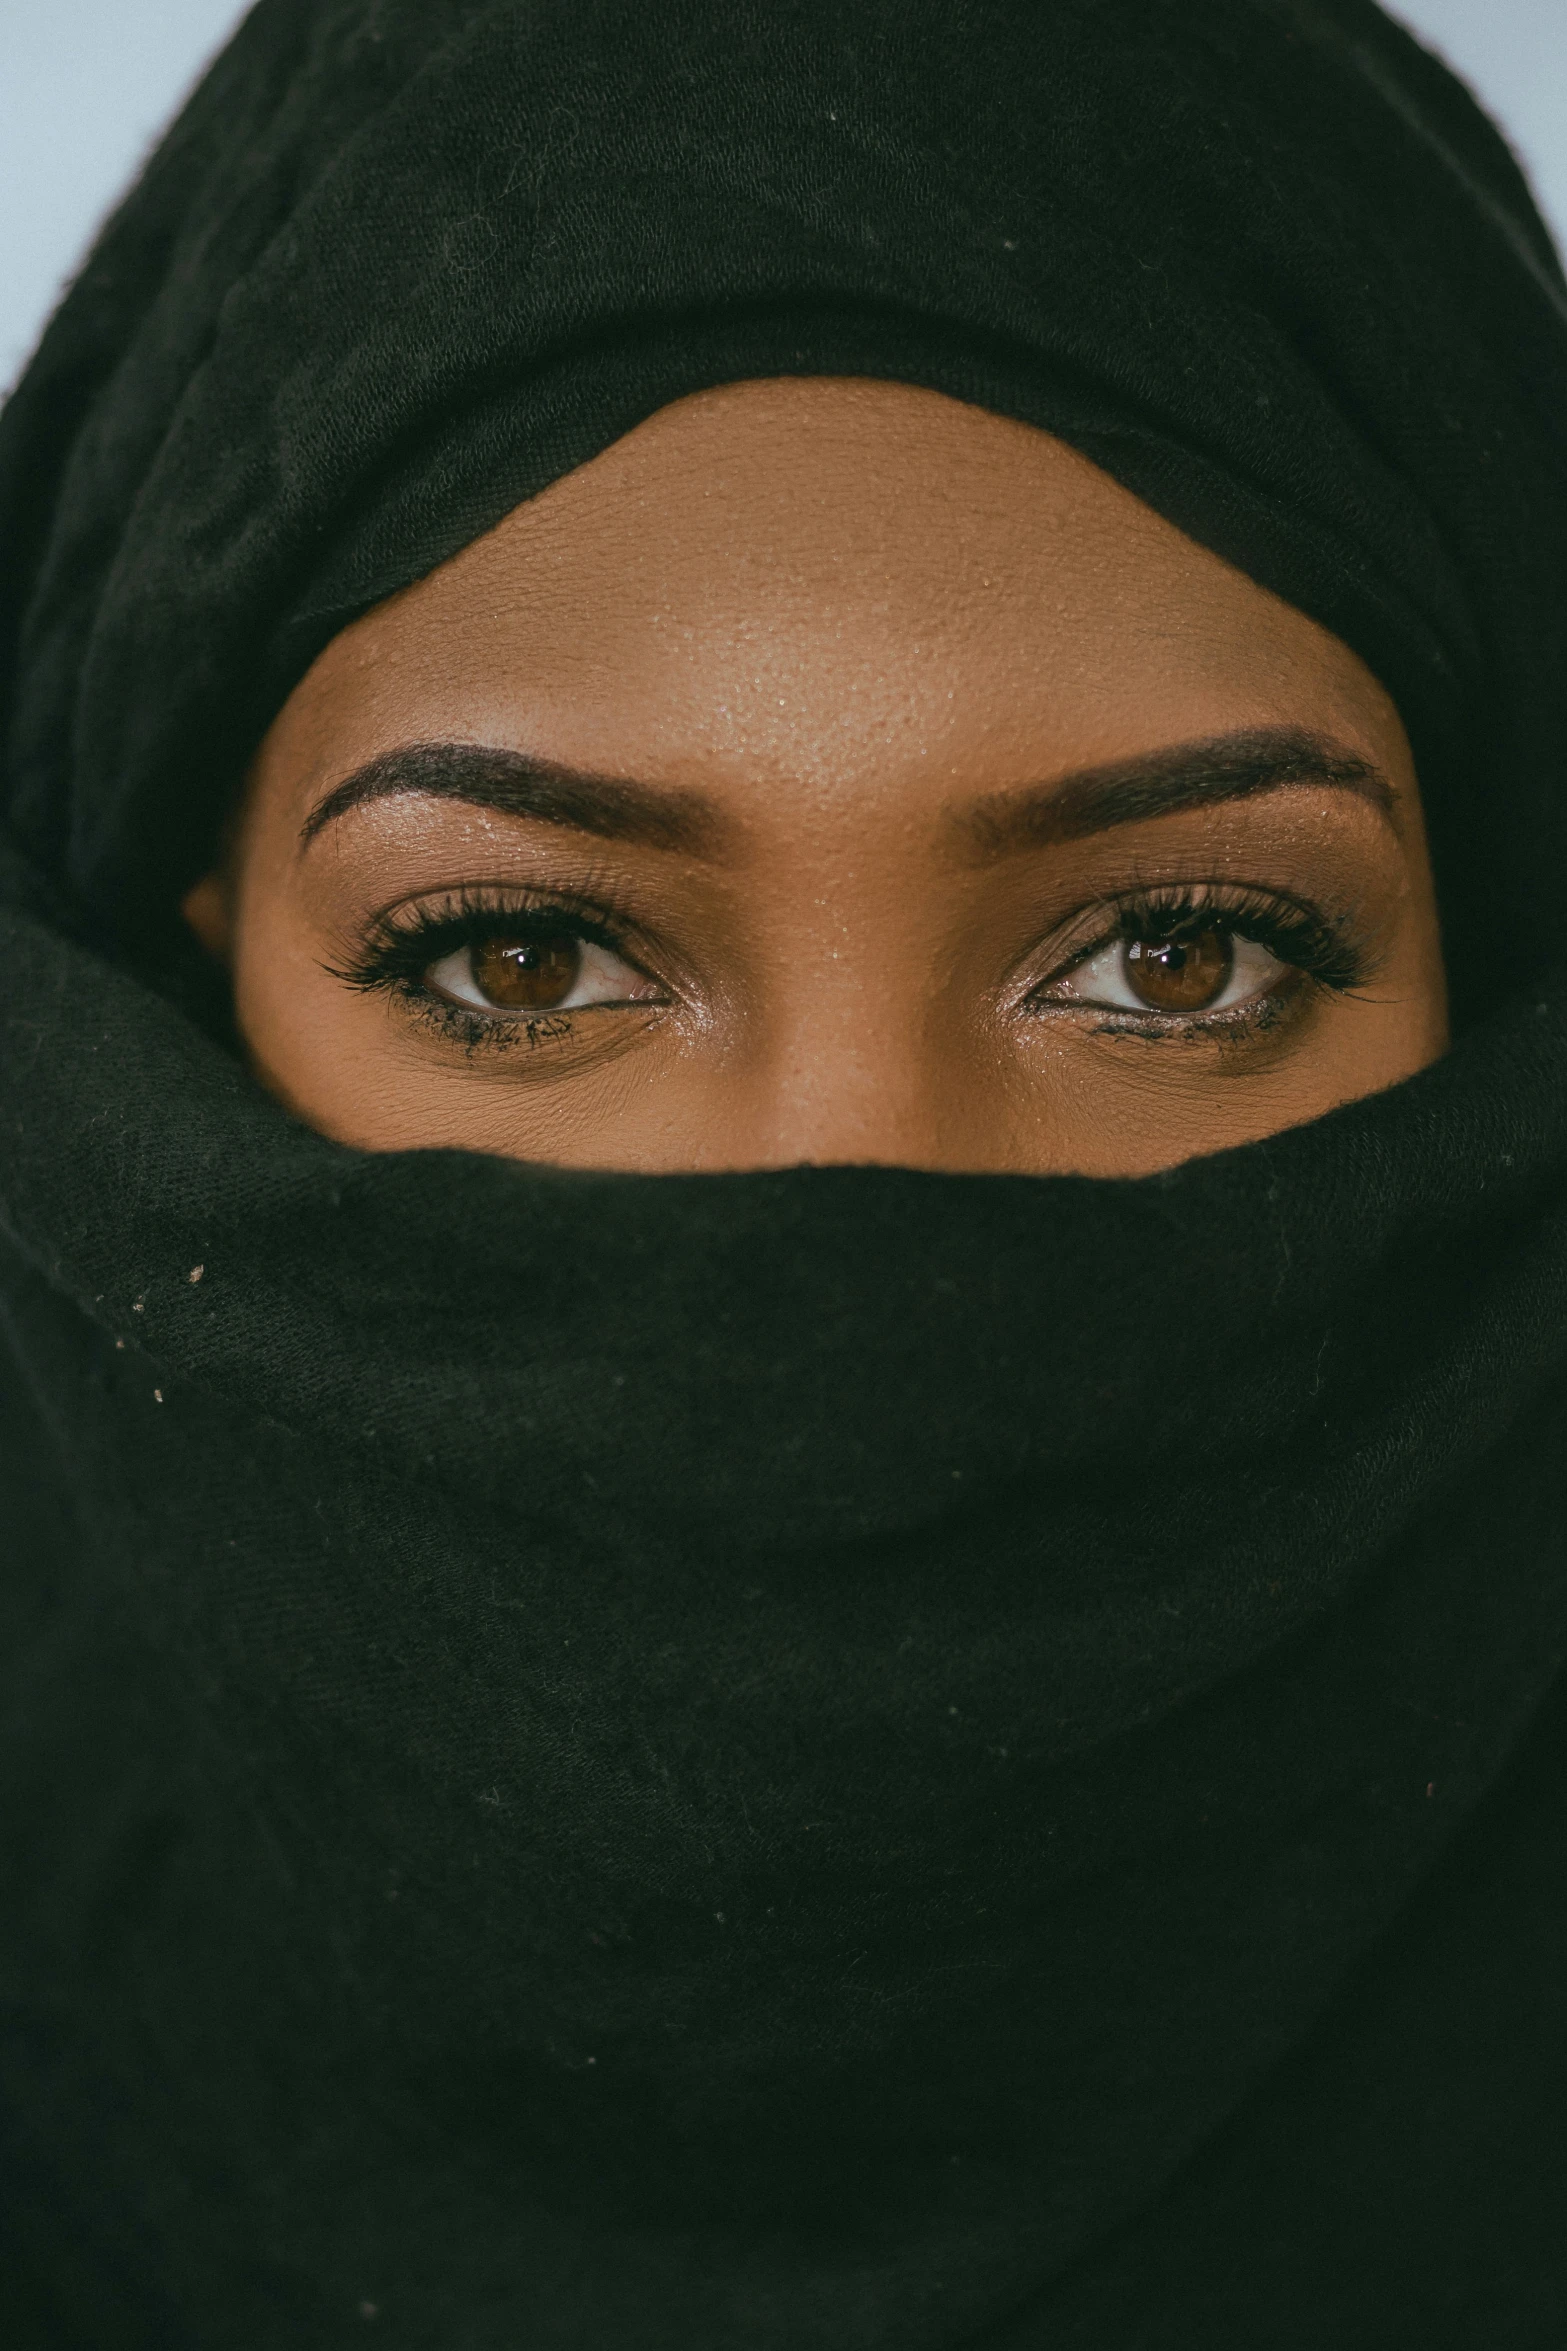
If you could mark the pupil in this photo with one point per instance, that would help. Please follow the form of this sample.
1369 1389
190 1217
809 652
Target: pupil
1180 975
528 975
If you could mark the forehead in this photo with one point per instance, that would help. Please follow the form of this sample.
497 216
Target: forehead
791 577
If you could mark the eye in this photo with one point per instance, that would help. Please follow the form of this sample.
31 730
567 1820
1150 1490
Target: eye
1178 974
541 971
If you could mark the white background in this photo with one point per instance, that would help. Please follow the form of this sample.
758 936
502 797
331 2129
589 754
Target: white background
85 86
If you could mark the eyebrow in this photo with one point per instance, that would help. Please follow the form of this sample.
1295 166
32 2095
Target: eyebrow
516 784
1168 782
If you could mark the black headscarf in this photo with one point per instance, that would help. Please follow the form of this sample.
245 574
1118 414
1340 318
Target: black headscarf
842 1758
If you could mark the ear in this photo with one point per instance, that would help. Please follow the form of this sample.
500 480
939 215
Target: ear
209 910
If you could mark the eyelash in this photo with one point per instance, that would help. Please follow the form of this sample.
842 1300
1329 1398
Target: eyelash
1312 946
400 947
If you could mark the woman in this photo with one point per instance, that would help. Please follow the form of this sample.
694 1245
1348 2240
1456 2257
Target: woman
1003 781
747 1705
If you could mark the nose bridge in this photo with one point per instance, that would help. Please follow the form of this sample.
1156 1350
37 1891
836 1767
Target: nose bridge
830 1090
846 1058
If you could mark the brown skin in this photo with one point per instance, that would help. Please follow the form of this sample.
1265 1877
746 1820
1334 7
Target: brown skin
841 629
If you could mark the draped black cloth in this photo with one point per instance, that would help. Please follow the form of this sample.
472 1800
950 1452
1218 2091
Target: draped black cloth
846 1757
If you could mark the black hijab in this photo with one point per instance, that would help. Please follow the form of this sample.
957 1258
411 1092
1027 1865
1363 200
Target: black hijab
841 1758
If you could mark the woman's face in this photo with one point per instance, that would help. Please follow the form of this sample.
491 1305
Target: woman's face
831 772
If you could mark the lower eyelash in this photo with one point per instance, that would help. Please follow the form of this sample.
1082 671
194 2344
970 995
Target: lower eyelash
485 1032
1237 1026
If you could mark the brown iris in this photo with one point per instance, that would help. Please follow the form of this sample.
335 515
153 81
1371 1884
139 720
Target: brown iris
528 975
1180 975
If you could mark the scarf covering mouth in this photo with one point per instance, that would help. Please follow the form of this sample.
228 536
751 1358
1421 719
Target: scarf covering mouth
844 1757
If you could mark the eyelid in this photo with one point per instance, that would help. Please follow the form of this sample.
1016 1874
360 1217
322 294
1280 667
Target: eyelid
595 909
399 942
1303 937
